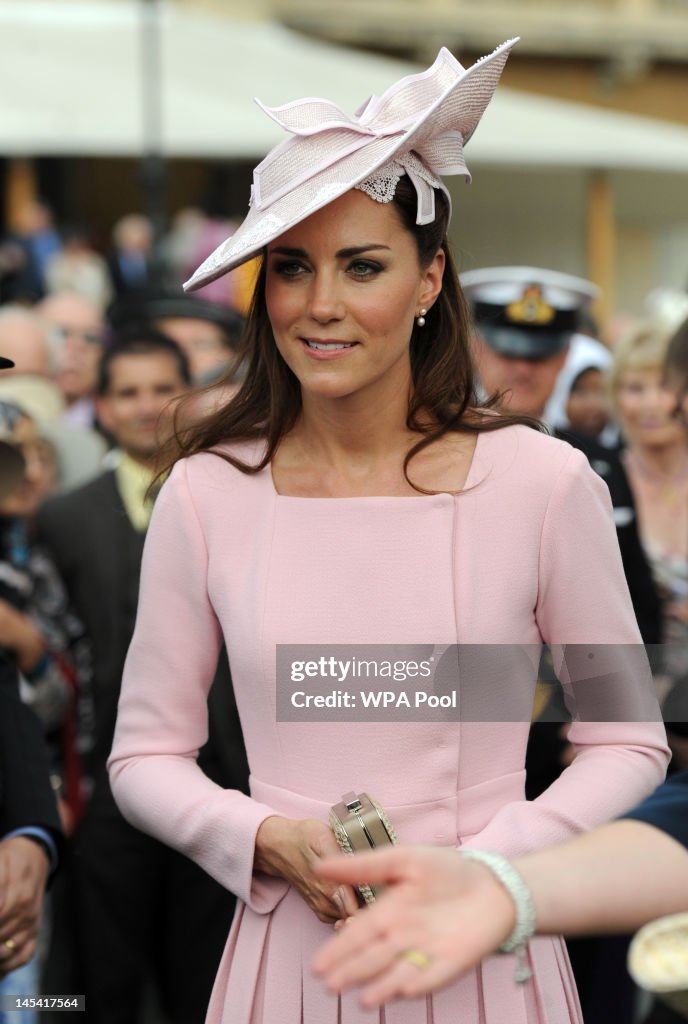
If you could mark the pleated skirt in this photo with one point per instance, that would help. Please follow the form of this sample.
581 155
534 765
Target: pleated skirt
265 977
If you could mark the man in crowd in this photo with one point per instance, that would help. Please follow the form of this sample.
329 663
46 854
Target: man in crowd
25 336
76 333
130 259
139 904
24 340
207 332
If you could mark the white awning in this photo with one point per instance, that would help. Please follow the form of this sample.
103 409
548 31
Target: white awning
71 83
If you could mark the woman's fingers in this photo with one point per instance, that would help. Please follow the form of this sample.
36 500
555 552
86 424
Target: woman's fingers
405 979
292 849
295 850
387 961
364 868
439 919
363 963
328 902
348 901
320 844
325 904
374 927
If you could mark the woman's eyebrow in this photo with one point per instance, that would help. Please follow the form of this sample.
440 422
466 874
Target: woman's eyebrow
283 250
357 250
354 250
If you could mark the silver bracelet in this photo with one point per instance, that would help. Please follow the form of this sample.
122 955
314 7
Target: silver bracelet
524 928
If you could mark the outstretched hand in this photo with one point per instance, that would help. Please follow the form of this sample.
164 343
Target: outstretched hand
446 911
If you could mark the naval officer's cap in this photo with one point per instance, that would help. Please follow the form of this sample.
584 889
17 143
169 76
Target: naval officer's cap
526 312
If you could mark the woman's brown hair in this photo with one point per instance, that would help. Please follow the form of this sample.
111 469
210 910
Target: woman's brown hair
676 366
268 401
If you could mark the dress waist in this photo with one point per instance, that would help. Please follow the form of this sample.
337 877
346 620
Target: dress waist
445 821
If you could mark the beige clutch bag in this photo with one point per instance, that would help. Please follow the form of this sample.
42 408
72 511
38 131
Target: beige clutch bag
658 960
360 824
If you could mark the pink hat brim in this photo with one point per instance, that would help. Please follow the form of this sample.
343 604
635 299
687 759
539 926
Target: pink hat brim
462 98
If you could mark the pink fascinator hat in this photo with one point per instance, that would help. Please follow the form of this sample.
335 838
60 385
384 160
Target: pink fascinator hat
418 127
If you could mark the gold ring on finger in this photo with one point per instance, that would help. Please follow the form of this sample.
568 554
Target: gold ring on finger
417 957
10 944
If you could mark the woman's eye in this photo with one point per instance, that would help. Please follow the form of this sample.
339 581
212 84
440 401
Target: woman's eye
288 268
364 268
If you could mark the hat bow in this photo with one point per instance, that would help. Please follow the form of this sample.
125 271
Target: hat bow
418 111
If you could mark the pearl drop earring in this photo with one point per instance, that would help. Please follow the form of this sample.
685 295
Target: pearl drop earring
420 320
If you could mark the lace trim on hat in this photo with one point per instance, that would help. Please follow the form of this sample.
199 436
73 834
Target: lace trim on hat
382 184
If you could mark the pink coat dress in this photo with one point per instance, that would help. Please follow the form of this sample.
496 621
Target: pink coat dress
527 552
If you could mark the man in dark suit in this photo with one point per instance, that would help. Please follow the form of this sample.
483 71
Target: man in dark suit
144 911
130 259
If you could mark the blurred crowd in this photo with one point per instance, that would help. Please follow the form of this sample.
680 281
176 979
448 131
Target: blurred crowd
108 351
105 346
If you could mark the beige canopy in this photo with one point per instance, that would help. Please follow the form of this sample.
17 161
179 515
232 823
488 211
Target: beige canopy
71 83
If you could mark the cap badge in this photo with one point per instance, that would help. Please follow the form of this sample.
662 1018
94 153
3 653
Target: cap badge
531 308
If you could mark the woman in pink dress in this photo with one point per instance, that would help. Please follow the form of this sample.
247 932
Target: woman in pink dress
355 493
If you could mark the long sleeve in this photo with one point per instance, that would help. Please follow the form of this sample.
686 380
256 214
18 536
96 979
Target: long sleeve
667 808
26 797
585 614
162 718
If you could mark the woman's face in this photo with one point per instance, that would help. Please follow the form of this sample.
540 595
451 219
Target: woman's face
586 409
38 473
646 409
342 290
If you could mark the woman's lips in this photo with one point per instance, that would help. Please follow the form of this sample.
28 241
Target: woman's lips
327 349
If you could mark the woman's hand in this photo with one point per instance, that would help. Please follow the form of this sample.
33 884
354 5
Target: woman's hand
448 911
292 849
18 634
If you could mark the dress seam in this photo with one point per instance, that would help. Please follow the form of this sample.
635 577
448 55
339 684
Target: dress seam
555 488
273 525
454 580
199 522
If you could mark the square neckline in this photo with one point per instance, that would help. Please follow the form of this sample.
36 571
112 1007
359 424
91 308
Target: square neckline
468 483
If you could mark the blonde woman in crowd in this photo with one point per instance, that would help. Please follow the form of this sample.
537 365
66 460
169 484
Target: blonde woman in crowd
656 462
